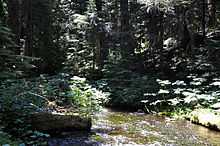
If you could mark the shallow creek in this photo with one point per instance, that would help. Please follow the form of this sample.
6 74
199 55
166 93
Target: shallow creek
113 128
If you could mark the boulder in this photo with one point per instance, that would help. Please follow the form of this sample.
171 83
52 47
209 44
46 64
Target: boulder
58 122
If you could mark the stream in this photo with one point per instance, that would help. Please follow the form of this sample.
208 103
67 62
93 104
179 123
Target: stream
114 128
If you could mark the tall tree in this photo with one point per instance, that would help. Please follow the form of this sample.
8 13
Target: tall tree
124 15
2 13
14 20
212 12
99 37
204 19
126 49
98 5
116 20
29 28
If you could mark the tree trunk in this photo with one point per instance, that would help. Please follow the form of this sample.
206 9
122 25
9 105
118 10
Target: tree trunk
155 30
212 12
14 20
203 19
126 49
124 15
98 51
98 5
160 33
29 29
99 38
116 20
2 13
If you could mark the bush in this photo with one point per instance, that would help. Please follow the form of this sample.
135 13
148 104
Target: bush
20 98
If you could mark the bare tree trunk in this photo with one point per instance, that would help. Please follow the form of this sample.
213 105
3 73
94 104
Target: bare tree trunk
203 19
99 38
29 29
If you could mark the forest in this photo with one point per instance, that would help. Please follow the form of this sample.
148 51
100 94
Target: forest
110 72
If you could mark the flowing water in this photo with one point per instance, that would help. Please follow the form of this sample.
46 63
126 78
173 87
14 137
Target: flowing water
112 128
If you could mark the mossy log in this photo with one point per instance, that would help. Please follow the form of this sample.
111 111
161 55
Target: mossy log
46 121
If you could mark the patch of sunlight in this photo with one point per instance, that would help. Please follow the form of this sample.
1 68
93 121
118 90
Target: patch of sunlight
217 83
206 97
189 94
163 82
174 101
179 83
189 99
150 94
178 90
216 79
196 83
200 79
144 101
216 106
207 117
161 91
78 79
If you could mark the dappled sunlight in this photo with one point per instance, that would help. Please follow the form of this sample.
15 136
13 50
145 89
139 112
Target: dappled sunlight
109 72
